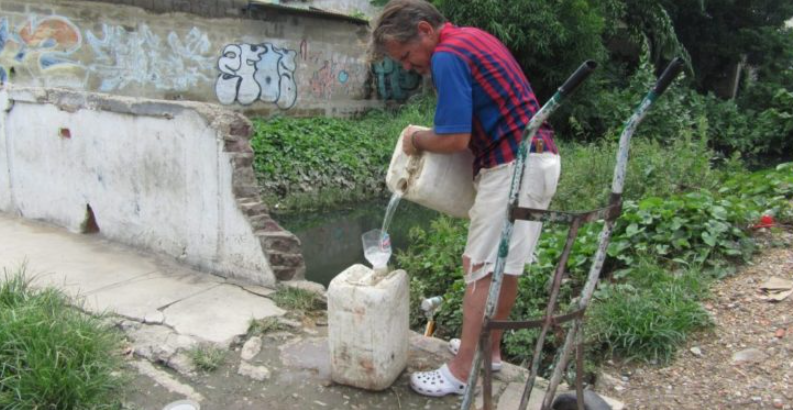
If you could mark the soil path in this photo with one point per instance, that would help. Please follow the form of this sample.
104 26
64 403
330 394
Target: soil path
744 362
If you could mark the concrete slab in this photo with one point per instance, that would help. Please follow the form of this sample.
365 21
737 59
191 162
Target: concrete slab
231 313
75 263
510 399
145 295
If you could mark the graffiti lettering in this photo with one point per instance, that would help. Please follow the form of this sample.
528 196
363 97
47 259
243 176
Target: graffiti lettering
53 39
123 59
251 72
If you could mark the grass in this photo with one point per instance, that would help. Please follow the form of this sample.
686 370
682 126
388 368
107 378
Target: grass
207 357
53 356
264 326
299 300
650 314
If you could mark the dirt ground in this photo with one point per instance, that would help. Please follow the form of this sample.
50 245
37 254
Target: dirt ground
706 373
744 362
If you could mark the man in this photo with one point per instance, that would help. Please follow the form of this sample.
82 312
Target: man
484 104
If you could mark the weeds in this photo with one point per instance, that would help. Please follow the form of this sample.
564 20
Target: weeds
264 326
294 299
52 355
649 314
207 357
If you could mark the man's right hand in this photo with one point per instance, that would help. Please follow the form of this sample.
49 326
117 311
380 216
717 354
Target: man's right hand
409 140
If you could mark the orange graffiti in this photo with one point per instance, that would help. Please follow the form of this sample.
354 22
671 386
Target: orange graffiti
51 33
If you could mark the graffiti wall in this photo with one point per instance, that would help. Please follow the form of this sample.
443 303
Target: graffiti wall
290 65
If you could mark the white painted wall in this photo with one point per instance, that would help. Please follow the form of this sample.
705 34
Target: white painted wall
158 183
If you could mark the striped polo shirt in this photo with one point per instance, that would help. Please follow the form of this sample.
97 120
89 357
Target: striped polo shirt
483 91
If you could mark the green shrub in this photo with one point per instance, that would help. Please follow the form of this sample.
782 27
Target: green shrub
654 168
52 355
549 39
434 263
662 253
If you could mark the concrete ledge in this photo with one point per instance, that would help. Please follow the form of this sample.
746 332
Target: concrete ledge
170 177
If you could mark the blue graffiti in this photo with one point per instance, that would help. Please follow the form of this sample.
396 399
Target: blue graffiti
393 82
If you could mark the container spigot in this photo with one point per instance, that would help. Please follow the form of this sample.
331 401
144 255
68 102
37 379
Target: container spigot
430 306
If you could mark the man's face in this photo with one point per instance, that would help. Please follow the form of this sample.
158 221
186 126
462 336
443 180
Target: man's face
417 53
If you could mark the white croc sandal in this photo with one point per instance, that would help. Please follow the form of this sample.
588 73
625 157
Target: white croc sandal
436 383
454 347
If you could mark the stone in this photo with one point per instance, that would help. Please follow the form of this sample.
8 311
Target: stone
750 355
234 308
251 348
259 373
155 317
696 351
606 381
182 364
306 285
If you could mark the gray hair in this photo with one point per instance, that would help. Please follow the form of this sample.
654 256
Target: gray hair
399 21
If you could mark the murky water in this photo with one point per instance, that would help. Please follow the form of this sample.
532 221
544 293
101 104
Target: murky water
331 241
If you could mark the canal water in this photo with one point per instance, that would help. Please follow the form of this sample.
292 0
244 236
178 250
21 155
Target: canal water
331 241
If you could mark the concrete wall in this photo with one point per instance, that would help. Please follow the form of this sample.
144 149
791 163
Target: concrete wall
348 6
260 59
169 177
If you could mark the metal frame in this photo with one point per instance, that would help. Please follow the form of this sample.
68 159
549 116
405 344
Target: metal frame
608 214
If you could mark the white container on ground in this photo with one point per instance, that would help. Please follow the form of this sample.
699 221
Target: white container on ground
368 327
443 182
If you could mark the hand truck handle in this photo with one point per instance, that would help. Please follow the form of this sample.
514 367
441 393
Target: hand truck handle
670 72
578 77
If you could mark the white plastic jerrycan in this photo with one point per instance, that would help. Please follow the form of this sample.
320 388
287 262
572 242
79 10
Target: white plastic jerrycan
443 182
368 327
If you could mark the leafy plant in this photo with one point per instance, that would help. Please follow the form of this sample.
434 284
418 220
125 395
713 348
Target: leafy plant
311 163
549 39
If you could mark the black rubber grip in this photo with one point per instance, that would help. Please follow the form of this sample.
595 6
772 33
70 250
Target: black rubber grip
578 77
672 70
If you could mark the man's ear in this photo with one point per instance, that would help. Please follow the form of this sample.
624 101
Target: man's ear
426 28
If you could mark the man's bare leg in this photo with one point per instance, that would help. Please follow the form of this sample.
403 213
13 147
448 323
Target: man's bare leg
473 313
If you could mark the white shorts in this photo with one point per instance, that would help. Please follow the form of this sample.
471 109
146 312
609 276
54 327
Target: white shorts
489 212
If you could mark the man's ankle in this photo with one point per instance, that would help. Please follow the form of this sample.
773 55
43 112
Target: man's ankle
457 372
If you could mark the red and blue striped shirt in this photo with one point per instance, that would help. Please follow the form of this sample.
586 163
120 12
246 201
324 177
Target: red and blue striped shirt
482 90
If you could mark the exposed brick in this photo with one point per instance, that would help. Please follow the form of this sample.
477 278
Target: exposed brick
251 207
242 146
264 222
242 159
289 273
245 190
292 260
241 129
283 241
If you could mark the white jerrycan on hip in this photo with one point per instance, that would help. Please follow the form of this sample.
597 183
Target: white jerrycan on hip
443 182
